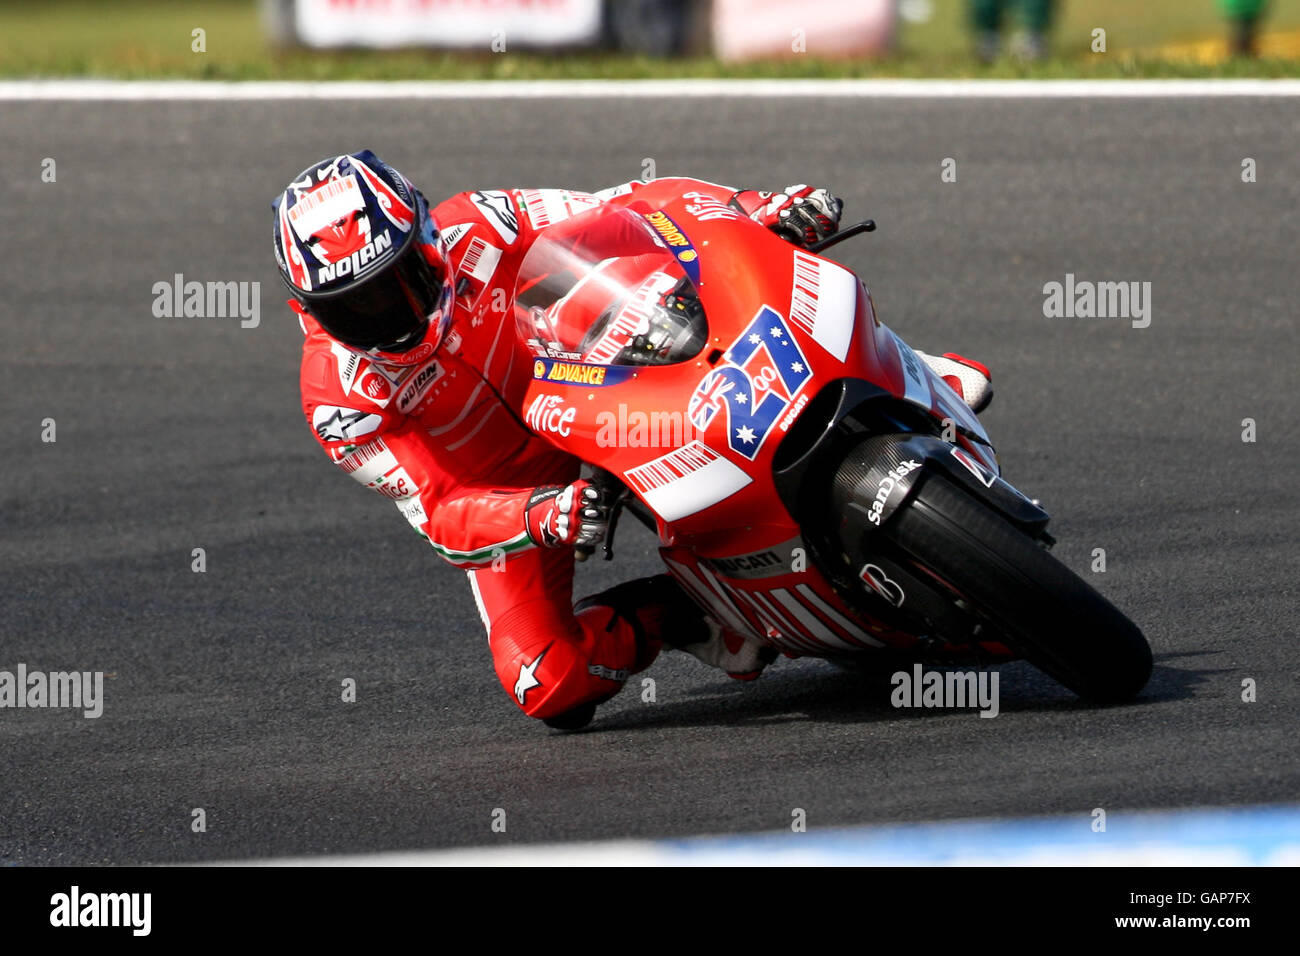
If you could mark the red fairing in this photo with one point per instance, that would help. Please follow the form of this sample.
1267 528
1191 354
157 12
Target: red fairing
694 437
443 440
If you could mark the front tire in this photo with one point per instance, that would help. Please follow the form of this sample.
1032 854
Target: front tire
1043 609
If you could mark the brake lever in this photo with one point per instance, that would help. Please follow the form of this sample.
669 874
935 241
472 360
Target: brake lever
606 482
857 229
615 510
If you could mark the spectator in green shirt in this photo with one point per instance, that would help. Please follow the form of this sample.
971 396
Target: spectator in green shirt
987 17
1245 16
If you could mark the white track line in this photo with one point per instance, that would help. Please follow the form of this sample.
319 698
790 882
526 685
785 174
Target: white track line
634 854
1229 836
126 90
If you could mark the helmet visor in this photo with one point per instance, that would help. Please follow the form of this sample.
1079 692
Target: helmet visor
389 310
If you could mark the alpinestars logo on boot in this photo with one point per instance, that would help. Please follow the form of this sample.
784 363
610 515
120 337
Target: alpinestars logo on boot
527 681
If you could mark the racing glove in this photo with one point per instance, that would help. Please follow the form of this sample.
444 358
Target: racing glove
559 516
801 214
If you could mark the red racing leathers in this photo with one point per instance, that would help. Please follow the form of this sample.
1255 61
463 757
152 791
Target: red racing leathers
440 439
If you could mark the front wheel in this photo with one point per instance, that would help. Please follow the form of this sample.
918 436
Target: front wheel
1043 609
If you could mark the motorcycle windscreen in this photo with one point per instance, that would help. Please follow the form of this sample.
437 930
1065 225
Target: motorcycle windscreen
601 288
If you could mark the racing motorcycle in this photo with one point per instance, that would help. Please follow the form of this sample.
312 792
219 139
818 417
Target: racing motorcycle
813 484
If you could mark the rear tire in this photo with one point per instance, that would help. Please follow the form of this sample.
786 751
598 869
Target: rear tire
1042 608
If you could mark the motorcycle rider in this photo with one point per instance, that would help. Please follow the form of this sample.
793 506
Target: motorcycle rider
408 363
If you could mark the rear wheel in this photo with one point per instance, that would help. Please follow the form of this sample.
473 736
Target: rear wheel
1041 608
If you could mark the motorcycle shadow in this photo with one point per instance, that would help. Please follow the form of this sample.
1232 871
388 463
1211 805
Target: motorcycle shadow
823 692
1169 683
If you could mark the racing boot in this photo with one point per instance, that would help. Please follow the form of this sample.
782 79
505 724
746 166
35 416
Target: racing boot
739 657
662 614
968 378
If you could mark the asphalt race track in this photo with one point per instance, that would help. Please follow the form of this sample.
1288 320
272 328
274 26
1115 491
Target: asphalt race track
223 687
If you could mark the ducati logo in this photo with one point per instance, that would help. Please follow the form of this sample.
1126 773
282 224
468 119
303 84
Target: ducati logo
527 678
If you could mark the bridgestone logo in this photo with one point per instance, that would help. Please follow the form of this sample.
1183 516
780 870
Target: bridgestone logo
349 371
671 467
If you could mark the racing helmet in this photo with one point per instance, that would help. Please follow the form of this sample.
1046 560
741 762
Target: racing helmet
357 248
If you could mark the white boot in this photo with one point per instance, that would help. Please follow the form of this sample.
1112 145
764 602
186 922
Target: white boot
740 657
968 378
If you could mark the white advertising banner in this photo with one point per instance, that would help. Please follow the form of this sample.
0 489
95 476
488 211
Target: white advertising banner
473 24
745 29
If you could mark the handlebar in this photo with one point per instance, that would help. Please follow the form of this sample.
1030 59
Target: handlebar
613 490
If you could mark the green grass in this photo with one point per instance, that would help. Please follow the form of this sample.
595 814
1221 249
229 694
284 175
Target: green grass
1131 26
151 38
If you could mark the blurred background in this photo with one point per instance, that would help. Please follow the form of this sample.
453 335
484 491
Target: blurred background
526 39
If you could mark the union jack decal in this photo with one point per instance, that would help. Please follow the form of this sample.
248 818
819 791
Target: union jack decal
764 370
